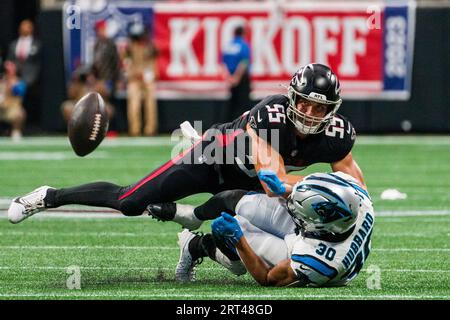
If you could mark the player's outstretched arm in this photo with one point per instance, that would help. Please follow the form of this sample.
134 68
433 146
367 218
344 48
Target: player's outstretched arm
279 276
349 166
267 158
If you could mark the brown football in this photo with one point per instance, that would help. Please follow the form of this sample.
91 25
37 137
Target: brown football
88 125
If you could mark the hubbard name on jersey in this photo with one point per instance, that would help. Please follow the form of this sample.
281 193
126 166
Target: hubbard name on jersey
268 118
324 263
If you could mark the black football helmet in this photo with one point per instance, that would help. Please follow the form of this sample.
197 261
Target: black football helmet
318 83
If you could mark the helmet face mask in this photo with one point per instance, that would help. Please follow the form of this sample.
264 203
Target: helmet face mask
318 84
323 204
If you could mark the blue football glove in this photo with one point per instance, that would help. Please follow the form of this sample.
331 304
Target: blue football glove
226 227
272 181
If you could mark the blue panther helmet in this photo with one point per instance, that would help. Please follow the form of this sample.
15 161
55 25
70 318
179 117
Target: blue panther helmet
326 202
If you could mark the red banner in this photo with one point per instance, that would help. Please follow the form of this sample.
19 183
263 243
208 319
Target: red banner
349 37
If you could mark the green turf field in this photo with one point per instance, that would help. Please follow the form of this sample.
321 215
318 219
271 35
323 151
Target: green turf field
134 258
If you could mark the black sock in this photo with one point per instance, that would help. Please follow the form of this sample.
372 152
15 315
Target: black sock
100 194
225 249
224 201
202 246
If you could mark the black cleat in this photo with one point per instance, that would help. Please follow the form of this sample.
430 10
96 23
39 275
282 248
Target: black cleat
162 211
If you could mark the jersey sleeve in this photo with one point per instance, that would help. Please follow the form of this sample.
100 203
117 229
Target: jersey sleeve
305 262
341 136
317 271
268 119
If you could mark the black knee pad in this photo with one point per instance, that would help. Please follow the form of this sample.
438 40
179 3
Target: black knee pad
224 201
130 207
229 199
225 248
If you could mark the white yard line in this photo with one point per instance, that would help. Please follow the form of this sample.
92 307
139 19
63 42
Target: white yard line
167 234
412 249
54 247
217 296
423 140
85 234
412 213
166 140
144 248
66 234
63 268
45 155
94 268
107 143
429 219
408 235
87 215
96 213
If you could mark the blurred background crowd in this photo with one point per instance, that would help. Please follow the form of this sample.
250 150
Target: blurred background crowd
130 68
21 71
127 75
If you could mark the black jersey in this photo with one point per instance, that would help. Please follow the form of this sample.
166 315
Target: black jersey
269 119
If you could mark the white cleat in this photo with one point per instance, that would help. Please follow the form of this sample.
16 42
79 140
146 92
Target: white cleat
185 270
24 207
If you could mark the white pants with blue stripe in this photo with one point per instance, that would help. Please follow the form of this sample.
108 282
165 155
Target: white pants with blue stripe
265 223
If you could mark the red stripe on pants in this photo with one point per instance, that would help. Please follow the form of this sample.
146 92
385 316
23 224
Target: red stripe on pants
156 173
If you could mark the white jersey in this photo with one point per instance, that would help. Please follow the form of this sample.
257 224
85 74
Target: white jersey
325 263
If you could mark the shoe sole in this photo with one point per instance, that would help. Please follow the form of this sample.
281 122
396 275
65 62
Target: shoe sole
181 254
14 218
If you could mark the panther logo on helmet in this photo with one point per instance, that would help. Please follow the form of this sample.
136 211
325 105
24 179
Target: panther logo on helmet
330 211
325 202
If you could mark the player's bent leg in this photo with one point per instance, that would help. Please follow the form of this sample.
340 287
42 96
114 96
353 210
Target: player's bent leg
267 213
194 247
182 214
269 247
28 205
174 180
97 194
191 217
228 258
170 182
225 201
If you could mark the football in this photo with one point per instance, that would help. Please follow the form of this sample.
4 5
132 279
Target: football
88 124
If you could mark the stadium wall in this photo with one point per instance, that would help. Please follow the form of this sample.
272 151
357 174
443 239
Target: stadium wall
427 111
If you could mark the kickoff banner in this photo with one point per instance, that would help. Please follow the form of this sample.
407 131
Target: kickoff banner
368 44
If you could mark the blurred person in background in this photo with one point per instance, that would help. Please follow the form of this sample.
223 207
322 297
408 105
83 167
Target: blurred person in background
25 52
140 66
106 67
83 81
12 91
236 61
106 58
